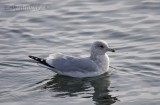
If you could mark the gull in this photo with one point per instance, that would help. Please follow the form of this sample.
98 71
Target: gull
94 65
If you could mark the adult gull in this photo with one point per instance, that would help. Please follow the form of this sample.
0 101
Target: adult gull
96 64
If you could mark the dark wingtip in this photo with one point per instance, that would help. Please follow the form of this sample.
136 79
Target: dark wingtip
30 56
34 58
40 60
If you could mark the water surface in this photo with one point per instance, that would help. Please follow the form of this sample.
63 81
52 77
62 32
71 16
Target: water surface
51 26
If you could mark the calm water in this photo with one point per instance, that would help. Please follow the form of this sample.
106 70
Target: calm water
42 27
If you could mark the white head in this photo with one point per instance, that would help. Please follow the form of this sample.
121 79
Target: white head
100 48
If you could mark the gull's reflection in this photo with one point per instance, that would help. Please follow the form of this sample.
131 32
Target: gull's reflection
95 88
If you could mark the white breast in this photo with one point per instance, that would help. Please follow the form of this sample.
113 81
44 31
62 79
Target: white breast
102 62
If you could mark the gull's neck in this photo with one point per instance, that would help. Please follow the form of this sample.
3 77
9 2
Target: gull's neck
102 61
95 56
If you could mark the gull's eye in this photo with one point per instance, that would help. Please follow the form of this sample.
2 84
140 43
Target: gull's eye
101 46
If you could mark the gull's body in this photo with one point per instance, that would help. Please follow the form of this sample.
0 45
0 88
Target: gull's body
96 64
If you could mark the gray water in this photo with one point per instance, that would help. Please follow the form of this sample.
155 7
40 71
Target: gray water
43 27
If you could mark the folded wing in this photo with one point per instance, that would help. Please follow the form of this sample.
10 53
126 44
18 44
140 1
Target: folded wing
71 64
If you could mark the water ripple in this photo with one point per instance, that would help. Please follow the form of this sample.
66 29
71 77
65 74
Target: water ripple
132 27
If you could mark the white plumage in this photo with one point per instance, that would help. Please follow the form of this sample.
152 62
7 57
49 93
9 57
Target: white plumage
96 64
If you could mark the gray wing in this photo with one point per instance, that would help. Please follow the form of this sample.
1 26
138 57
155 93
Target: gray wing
69 64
